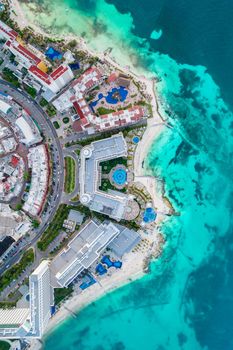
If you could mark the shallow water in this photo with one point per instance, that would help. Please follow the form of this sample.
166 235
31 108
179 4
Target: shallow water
186 301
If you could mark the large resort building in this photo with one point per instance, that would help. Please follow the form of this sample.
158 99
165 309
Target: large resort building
82 251
115 204
86 248
52 83
74 97
30 322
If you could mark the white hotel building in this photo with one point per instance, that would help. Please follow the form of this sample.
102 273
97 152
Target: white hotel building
30 322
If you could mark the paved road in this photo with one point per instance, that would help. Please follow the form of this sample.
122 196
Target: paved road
35 110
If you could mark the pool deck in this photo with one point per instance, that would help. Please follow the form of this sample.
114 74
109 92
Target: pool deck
104 90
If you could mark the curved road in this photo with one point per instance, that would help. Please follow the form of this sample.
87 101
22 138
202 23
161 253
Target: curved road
46 126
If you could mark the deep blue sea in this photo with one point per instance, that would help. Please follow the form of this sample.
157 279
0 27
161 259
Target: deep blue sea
186 301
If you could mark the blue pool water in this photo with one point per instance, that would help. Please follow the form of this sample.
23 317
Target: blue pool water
106 260
74 66
149 215
119 176
100 269
109 97
53 54
136 139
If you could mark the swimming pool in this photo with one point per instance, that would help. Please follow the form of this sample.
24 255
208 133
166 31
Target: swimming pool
53 54
119 176
114 96
149 215
136 139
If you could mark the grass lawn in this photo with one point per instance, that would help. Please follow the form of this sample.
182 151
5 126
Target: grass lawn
69 175
4 345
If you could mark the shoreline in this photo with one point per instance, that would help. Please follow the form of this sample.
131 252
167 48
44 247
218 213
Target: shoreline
135 266
134 263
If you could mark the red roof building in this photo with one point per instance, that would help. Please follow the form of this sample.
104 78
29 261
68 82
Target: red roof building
14 161
58 72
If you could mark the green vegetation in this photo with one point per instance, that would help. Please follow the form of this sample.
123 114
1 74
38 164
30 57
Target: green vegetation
106 134
77 151
4 345
8 75
7 305
130 224
56 125
30 90
43 102
72 44
106 185
146 104
26 176
65 120
35 223
69 175
61 294
54 227
109 164
75 199
103 110
80 55
12 58
19 206
15 271
51 111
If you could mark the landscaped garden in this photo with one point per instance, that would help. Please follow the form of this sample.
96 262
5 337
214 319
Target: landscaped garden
51 111
56 125
109 164
65 120
69 174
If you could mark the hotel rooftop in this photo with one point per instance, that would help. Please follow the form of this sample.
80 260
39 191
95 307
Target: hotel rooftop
115 204
82 251
30 322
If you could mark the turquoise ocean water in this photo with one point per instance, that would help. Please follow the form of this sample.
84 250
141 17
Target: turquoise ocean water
186 301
